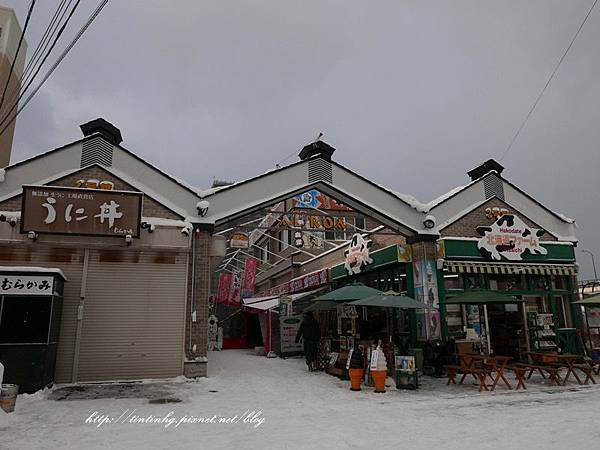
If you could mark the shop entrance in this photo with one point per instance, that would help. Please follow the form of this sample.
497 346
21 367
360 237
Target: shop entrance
254 337
507 330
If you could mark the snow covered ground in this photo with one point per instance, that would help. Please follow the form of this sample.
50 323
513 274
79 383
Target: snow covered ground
279 404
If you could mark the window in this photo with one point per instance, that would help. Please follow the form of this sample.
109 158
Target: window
353 225
284 240
25 320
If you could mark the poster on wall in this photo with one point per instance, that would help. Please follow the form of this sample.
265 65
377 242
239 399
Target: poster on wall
288 328
426 292
404 253
593 316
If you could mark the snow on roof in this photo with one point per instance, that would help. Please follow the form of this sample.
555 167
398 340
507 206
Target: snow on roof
32 269
47 180
443 197
210 191
159 221
565 218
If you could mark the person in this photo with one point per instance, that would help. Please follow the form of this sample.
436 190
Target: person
311 333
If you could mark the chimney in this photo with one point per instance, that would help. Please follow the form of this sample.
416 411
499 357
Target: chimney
106 129
317 148
485 168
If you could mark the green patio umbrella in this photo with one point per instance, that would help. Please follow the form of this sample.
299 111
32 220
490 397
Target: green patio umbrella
324 305
482 297
350 292
391 301
594 300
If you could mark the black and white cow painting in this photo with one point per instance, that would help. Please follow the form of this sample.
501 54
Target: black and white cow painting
509 238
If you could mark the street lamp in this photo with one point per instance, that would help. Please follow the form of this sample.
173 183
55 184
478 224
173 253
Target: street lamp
593 262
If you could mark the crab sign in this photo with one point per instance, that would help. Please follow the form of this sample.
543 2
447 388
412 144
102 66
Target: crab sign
357 255
510 238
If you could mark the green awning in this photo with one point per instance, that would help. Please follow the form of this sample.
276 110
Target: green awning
350 292
390 301
594 300
482 297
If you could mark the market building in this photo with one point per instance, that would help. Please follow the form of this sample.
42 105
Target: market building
138 250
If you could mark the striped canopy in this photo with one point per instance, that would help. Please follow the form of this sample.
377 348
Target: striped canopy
510 268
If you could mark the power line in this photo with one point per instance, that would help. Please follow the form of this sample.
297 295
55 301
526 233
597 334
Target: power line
24 90
12 66
539 97
97 11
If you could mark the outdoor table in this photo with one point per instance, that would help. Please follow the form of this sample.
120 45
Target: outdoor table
560 361
495 363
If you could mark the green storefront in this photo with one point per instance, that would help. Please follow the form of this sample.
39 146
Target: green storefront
546 320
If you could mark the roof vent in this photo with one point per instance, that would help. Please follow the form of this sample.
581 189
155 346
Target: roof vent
484 168
111 133
317 148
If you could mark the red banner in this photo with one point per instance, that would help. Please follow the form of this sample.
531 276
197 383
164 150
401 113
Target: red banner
250 276
224 288
236 289
305 282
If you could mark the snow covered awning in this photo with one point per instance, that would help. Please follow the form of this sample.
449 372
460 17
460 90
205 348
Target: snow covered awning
509 268
251 300
265 305
30 269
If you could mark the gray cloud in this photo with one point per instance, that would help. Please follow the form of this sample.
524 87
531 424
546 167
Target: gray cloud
411 93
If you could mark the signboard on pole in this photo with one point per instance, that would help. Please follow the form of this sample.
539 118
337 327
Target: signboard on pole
288 329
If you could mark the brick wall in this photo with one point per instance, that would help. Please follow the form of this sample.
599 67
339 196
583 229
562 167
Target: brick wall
150 207
467 225
201 242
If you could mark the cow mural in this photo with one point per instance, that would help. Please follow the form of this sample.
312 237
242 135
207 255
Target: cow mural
510 238
357 255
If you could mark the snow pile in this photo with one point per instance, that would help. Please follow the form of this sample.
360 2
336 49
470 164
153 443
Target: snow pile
410 200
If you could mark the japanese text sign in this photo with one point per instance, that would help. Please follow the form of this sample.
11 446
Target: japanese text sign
26 285
93 212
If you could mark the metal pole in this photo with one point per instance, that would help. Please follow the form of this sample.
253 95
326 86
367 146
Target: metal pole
587 322
487 328
593 262
526 326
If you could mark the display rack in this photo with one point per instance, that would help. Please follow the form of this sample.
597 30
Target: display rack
541 331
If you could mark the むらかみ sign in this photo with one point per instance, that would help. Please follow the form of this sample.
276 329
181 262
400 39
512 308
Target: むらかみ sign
52 209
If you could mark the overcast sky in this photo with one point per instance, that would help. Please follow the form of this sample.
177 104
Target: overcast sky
411 93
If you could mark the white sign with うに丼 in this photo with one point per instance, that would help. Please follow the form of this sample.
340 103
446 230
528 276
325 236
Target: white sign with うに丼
26 285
